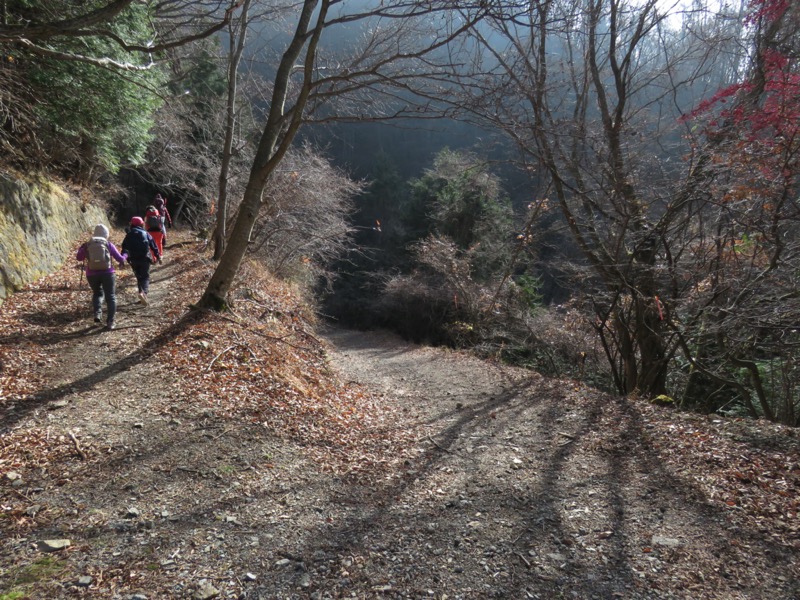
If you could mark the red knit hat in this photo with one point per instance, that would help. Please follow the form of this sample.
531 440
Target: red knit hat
137 222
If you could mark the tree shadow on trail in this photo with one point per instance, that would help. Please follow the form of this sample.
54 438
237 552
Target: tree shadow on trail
543 552
49 338
84 384
55 318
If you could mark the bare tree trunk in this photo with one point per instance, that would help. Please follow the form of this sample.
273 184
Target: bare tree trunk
383 64
652 379
236 50
627 351
275 141
215 296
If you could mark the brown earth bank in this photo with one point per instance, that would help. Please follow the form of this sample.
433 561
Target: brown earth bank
256 455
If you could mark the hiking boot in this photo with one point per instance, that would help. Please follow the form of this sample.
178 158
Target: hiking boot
142 298
97 316
111 326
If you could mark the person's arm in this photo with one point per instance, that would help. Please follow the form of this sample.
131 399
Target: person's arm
120 258
81 253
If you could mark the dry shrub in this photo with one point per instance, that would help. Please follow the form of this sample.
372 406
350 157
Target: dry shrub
568 346
258 285
441 303
304 225
183 161
438 302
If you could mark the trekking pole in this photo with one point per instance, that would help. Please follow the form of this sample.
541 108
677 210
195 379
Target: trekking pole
82 267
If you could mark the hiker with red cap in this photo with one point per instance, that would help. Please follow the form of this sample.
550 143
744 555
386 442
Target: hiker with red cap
142 252
99 254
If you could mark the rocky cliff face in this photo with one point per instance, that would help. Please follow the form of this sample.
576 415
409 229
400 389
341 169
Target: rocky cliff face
38 224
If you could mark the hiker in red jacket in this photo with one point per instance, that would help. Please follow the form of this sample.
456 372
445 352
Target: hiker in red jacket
98 253
154 225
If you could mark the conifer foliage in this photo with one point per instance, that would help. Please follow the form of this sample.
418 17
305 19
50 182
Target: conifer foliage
75 107
82 80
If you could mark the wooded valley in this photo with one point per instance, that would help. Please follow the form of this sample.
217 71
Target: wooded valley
463 299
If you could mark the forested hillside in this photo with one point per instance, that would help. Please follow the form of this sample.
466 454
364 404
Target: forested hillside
252 454
635 165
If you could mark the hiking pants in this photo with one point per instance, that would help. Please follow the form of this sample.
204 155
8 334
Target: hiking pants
158 238
141 268
103 285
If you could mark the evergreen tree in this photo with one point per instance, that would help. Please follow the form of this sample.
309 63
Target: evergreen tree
461 200
95 116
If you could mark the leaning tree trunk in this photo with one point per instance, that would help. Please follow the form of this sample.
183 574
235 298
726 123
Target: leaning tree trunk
216 294
281 127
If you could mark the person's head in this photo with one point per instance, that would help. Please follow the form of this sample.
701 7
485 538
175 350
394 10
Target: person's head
101 230
159 198
137 222
150 208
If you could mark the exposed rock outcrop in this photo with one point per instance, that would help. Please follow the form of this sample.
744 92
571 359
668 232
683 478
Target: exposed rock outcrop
38 224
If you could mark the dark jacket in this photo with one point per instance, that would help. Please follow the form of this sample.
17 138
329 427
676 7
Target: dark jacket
139 246
162 209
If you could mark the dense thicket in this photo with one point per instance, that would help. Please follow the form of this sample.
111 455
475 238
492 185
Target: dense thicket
182 161
434 258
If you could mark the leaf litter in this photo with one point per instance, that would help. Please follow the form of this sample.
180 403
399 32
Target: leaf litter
241 455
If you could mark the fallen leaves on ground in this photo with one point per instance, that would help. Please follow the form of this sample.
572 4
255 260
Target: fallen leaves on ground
259 363
262 367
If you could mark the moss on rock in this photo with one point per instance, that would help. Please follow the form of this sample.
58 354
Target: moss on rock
38 224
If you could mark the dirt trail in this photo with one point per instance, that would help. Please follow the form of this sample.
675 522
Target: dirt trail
543 488
517 486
